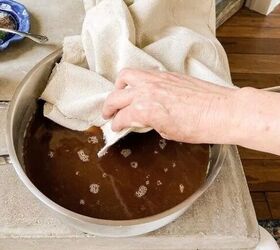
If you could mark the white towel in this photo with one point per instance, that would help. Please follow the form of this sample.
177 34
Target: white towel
173 35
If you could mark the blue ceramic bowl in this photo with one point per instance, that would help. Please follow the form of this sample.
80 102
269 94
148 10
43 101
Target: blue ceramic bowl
18 13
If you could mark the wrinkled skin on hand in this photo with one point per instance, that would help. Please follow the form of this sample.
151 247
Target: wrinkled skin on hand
179 107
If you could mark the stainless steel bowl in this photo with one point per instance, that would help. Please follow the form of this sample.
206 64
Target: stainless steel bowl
22 108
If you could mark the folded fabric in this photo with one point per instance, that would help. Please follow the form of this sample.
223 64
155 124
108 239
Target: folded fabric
65 95
73 51
168 35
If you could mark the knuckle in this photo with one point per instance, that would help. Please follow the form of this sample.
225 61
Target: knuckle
110 100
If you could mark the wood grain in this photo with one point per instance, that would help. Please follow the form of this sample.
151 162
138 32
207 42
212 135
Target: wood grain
262 175
252 63
252 43
249 154
256 80
247 12
268 46
254 21
273 199
247 31
261 206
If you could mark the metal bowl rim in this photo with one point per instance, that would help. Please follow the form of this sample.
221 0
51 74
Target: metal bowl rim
76 216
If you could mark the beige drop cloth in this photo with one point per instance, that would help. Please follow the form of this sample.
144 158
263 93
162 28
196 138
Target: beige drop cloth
173 35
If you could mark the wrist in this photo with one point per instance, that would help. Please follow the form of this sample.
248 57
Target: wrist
247 116
220 125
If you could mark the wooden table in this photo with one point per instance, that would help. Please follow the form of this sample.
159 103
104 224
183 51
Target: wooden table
252 42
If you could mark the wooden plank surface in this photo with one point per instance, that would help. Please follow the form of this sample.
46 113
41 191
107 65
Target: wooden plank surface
254 63
254 21
273 199
246 17
252 42
248 12
250 24
247 31
256 80
267 46
261 206
262 175
249 154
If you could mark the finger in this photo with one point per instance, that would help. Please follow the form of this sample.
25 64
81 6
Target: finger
134 77
141 116
117 100
126 118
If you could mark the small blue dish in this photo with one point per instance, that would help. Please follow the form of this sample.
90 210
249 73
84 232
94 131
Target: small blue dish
18 13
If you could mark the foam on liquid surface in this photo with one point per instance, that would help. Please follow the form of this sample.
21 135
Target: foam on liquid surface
141 175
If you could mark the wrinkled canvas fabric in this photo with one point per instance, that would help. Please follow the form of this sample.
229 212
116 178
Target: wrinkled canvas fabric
177 35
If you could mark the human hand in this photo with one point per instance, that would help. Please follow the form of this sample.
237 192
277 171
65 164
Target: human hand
179 107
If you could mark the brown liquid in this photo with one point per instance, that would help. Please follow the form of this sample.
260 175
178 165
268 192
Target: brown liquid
156 176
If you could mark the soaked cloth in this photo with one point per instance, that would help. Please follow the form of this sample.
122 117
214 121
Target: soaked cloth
164 35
